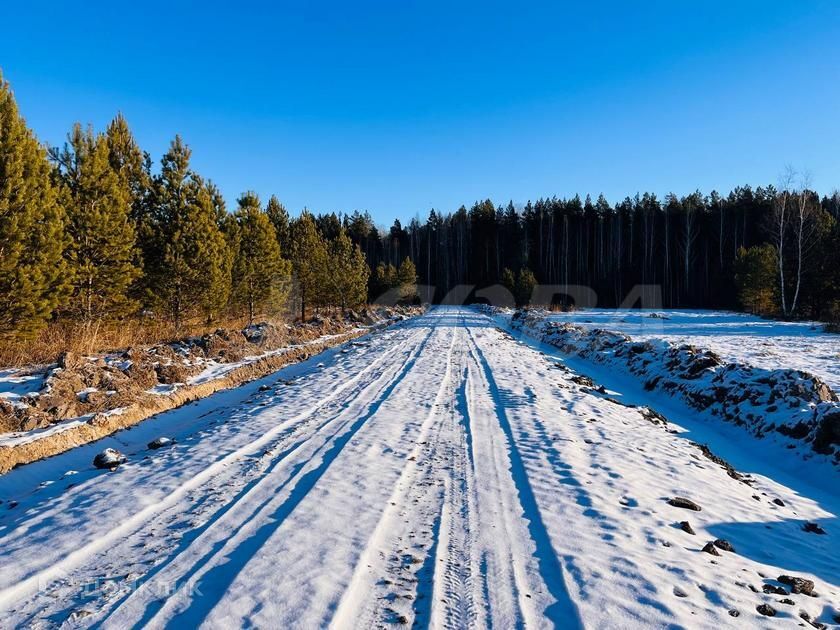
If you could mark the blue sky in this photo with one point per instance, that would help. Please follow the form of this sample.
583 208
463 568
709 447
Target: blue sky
400 106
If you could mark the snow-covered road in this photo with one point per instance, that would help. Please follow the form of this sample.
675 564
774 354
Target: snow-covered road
439 473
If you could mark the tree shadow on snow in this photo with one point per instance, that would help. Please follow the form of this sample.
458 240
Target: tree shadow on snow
787 545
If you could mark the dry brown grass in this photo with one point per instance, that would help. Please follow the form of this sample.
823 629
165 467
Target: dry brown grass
107 336
98 337
561 308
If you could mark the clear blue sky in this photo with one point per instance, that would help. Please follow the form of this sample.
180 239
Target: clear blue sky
400 106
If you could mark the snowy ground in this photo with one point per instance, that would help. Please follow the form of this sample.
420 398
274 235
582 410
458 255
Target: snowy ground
438 473
734 336
15 384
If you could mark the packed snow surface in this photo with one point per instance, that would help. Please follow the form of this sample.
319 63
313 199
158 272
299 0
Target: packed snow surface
736 337
442 473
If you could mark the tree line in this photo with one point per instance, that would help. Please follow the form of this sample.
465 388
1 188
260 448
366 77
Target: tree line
93 231
89 232
772 250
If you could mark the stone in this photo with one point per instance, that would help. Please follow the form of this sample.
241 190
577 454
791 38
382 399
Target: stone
797 584
771 589
682 502
109 459
69 361
813 528
161 442
686 527
828 434
766 610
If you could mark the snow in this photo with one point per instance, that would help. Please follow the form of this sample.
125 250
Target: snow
26 437
215 370
441 472
83 394
16 383
781 404
738 337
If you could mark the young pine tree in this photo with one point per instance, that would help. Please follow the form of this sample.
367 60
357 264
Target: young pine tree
348 272
407 280
280 220
384 280
133 167
101 254
309 260
32 240
509 280
755 278
260 274
190 272
525 284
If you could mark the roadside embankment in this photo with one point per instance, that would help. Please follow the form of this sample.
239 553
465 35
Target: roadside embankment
793 406
83 399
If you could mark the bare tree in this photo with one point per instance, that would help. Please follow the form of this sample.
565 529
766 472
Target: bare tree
805 229
691 205
795 226
779 221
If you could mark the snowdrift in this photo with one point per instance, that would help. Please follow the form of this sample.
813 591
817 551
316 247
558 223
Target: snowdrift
791 405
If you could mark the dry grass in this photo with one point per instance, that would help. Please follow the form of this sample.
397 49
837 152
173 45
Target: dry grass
98 337
562 308
107 336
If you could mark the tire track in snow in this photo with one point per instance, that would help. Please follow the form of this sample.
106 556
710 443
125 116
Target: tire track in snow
454 599
358 606
209 576
62 567
480 567
563 611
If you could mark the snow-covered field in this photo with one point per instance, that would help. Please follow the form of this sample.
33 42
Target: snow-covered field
441 473
739 337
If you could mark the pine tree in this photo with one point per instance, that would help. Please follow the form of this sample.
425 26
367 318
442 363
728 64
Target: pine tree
213 256
407 280
280 220
32 271
217 200
379 281
260 275
101 255
348 272
191 268
309 260
525 283
133 167
755 278
509 280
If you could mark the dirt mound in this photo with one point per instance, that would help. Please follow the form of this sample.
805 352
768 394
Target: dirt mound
115 391
79 386
787 402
